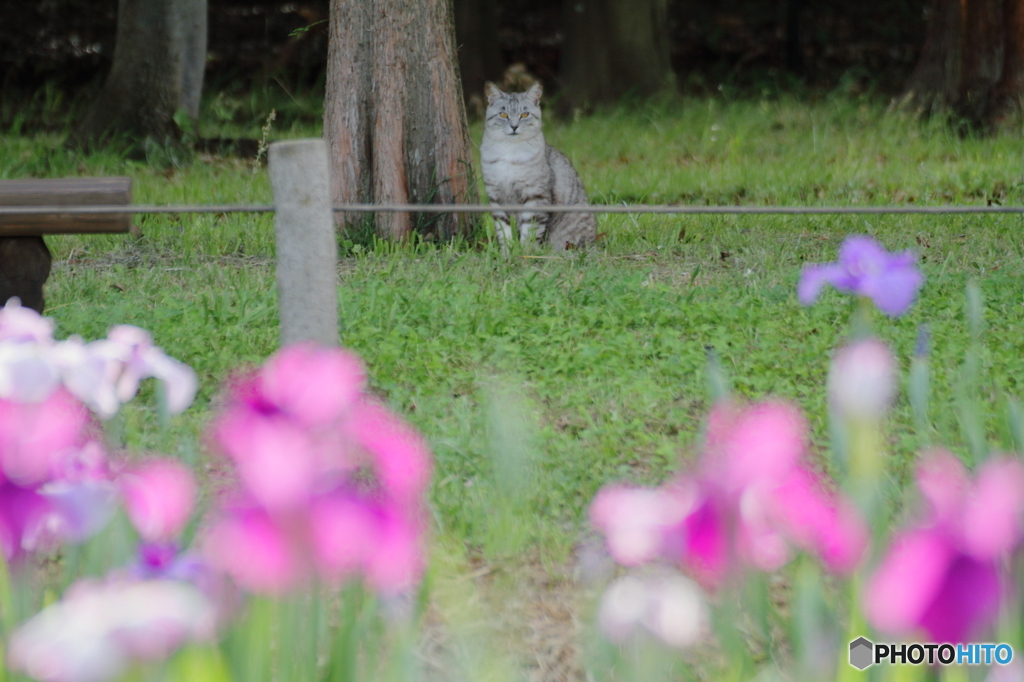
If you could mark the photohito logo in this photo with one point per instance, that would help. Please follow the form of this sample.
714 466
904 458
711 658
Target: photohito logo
864 653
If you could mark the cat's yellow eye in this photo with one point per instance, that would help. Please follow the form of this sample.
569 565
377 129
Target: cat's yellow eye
503 115
524 114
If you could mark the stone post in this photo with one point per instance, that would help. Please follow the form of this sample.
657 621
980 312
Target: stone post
307 252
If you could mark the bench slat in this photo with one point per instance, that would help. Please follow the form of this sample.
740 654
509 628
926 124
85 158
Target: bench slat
65 192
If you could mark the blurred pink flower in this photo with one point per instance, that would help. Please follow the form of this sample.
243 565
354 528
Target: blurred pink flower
158 496
760 443
274 456
828 525
315 385
338 537
399 454
344 533
636 521
397 561
284 426
247 544
24 517
53 483
34 437
751 504
945 576
331 481
99 628
353 536
41 517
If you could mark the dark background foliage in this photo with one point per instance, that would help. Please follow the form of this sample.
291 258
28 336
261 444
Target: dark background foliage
719 44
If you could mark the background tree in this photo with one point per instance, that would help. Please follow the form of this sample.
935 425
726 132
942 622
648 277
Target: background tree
476 30
157 70
1008 96
394 117
794 50
613 48
972 62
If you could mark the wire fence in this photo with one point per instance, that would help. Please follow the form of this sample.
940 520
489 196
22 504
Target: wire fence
121 209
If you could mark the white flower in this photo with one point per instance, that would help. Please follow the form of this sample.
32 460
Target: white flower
24 325
102 374
27 373
862 381
623 604
89 375
140 359
676 612
669 606
106 373
180 382
99 628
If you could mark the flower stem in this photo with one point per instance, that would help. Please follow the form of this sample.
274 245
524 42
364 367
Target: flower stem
955 673
866 464
861 321
857 628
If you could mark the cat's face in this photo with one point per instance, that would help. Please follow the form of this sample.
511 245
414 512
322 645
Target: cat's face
513 114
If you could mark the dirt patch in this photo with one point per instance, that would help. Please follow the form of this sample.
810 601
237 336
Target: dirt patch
514 621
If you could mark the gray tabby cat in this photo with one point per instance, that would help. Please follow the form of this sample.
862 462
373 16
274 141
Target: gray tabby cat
520 168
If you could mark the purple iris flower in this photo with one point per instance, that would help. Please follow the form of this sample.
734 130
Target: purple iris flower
890 280
166 560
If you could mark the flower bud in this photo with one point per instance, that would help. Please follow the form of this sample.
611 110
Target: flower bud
862 381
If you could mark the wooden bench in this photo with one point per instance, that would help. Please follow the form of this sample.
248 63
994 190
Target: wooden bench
24 258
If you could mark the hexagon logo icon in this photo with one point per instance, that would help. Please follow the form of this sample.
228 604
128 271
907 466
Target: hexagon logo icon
861 650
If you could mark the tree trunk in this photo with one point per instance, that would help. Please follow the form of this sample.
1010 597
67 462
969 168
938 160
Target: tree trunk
585 69
614 48
935 81
794 47
984 42
159 56
193 68
394 117
972 62
476 32
1009 91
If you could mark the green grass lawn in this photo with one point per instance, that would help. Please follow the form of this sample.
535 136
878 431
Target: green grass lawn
607 348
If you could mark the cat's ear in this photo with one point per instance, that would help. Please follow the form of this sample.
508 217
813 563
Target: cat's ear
535 91
492 92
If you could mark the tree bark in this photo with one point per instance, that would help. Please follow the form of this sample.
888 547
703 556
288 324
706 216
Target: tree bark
794 48
476 30
1009 92
585 67
394 116
194 18
935 81
984 43
159 57
614 48
972 61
